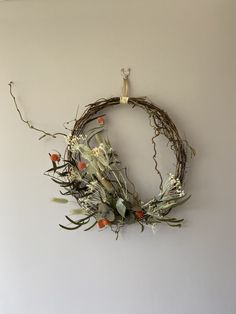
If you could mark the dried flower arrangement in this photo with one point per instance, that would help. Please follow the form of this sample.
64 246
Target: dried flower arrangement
90 171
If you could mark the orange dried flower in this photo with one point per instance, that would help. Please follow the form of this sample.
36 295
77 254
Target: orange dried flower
103 222
139 214
81 165
101 120
54 157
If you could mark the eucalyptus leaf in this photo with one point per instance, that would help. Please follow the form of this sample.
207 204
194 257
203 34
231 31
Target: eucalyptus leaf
121 207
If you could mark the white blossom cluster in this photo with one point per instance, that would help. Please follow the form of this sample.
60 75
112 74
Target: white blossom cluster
73 142
171 189
168 197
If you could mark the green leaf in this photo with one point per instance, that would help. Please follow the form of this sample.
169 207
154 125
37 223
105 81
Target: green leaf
90 227
182 201
59 200
121 207
68 228
57 167
79 211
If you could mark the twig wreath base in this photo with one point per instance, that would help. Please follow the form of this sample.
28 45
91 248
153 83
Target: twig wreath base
90 171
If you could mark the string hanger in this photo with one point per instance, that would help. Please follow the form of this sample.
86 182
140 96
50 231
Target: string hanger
125 88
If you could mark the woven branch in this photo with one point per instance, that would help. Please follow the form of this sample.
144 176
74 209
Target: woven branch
161 123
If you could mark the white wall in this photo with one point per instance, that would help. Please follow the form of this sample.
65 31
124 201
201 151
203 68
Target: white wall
61 53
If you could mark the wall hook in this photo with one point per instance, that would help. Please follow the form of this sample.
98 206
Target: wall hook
125 73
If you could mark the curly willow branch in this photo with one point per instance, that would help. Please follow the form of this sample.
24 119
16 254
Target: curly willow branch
159 120
27 122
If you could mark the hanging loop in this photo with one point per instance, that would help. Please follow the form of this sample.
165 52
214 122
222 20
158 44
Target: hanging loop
125 89
125 73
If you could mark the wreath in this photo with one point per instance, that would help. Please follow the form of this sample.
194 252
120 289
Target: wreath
90 170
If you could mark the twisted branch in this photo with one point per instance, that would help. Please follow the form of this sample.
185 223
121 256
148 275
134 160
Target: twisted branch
27 122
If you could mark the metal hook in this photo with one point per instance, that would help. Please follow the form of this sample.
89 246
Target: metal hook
125 73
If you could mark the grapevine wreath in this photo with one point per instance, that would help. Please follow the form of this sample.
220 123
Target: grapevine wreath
90 170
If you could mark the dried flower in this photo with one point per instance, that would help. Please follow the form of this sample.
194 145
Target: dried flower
139 214
103 222
95 151
101 120
171 189
54 157
81 165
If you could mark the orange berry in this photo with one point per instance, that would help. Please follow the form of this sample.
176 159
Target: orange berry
81 165
101 120
103 222
139 214
54 157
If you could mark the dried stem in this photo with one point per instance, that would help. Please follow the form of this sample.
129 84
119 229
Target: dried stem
27 122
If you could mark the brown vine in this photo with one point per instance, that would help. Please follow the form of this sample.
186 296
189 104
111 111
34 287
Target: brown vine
159 120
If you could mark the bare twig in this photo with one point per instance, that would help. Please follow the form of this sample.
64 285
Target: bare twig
27 122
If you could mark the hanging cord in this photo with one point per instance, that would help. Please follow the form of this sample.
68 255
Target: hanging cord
125 88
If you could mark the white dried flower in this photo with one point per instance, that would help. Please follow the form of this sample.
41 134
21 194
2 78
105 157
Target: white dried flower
96 151
101 146
171 188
